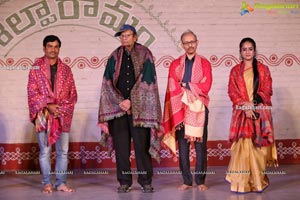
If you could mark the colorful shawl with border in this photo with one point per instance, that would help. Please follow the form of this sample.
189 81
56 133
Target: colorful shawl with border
40 94
144 96
184 107
261 131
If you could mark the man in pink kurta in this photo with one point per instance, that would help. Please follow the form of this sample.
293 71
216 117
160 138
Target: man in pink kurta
51 99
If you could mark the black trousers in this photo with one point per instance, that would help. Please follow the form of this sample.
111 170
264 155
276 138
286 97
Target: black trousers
201 156
122 131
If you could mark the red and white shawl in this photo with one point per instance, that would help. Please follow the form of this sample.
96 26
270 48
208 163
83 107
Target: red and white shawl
185 107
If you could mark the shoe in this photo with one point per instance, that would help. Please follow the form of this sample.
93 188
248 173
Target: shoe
123 189
147 189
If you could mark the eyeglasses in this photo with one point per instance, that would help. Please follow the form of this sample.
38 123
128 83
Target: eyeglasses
193 43
125 35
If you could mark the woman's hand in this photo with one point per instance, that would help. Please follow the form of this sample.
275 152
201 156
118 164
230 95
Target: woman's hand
250 114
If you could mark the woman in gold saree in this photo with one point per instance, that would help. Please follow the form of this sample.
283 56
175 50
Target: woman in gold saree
251 128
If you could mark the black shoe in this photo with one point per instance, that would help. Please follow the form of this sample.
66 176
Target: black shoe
124 188
147 189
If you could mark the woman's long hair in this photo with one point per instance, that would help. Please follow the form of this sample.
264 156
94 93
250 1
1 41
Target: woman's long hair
254 63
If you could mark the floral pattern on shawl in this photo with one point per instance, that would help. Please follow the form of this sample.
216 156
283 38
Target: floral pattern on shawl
145 103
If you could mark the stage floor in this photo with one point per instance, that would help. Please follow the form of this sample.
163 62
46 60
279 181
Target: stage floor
284 184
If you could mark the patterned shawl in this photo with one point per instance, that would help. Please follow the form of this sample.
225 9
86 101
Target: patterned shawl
260 130
145 103
40 94
185 107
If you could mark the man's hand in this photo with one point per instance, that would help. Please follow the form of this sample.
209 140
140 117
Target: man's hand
203 79
53 109
125 105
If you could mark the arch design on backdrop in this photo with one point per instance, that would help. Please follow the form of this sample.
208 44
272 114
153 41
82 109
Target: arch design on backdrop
95 62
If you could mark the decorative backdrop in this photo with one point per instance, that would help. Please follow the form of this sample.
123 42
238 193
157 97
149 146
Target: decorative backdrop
86 29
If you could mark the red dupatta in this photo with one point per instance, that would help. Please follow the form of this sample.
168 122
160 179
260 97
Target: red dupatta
260 130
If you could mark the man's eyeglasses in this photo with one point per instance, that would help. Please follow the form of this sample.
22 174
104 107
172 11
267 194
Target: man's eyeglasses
193 43
125 35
